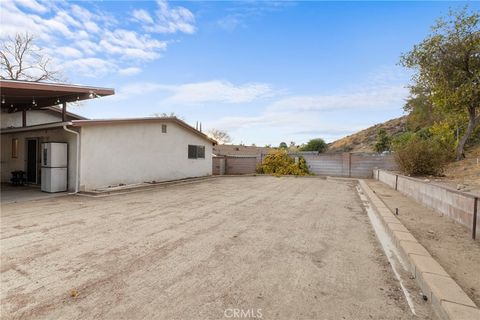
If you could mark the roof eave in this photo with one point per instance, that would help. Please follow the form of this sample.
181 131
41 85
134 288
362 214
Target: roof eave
81 123
45 126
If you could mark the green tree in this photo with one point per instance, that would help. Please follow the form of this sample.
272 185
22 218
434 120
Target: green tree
283 145
315 145
383 141
447 65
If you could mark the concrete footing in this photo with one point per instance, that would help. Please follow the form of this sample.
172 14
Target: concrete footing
448 299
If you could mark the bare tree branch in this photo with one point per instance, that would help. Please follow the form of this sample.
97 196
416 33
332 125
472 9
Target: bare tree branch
220 136
21 59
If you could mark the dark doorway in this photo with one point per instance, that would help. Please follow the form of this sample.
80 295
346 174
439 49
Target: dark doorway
32 163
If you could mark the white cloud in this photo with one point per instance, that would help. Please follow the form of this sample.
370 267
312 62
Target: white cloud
230 22
166 19
91 67
71 31
297 117
219 91
129 71
91 26
370 97
201 92
240 12
130 44
142 16
32 5
69 52
81 13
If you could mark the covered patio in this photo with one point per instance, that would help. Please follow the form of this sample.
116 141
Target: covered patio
11 194
33 113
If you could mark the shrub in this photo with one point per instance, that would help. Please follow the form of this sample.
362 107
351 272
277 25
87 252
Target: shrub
278 163
315 145
401 139
345 148
383 141
417 156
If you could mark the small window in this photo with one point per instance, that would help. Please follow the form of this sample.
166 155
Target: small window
196 152
164 128
14 148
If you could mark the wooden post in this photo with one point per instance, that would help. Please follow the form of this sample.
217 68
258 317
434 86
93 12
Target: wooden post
349 164
475 212
64 112
24 118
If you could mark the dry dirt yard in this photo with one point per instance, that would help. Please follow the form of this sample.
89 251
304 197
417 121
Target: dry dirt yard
280 248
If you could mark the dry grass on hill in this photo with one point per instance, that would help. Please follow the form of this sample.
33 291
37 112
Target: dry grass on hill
465 172
364 141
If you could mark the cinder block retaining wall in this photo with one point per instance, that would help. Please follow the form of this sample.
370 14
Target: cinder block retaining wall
456 205
356 165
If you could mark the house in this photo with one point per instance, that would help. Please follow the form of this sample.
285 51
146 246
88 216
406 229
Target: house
240 150
101 153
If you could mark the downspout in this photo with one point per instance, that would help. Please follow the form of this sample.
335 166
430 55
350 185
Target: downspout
77 164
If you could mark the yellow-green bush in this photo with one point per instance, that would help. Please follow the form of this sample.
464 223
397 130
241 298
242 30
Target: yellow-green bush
418 156
278 163
444 134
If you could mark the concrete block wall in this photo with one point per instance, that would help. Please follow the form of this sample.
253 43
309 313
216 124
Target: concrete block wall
362 164
234 165
357 165
458 206
218 164
327 165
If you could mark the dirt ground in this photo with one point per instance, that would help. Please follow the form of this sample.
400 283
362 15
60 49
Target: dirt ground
463 175
277 248
448 242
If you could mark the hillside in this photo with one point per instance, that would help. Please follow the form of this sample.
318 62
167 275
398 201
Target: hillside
464 174
364 141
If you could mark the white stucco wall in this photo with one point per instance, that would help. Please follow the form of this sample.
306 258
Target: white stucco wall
128 153
34 117
9 164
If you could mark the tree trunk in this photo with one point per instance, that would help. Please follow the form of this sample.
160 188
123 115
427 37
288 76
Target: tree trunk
472 123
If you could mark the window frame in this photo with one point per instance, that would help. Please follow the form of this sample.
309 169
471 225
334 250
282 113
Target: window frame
14 148
196 152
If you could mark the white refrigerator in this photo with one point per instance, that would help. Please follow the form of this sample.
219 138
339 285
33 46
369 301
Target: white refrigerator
54 166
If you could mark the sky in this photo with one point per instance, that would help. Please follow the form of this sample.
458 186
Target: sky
264 71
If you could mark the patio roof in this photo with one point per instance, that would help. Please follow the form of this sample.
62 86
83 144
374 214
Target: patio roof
26 95
45 126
